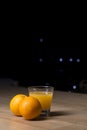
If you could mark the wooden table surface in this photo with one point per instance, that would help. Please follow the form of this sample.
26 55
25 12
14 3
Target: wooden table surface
68 112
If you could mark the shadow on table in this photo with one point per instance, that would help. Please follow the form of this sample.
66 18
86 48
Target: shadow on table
60 113
54 114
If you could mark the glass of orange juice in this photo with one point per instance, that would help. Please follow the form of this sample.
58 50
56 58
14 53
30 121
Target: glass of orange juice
45 95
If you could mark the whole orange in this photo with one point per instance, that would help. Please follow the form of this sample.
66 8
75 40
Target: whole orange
14 103
30 108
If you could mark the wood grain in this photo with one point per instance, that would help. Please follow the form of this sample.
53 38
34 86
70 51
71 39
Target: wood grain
68 111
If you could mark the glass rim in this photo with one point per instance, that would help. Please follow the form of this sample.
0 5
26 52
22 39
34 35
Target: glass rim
41 86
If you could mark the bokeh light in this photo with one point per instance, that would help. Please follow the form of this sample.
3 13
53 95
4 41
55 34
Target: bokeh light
60 59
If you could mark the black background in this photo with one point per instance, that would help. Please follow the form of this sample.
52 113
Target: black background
64 35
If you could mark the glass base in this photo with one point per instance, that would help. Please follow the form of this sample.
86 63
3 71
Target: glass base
45 113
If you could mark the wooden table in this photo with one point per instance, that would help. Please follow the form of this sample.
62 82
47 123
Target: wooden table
68 112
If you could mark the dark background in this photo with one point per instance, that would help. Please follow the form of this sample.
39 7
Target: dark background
28 60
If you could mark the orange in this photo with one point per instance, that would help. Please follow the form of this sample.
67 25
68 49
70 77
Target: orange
30 108
14 103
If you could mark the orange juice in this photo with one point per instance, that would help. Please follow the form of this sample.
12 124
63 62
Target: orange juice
45 98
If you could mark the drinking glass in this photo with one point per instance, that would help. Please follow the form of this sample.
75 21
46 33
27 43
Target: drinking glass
45 95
